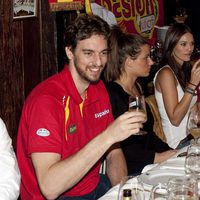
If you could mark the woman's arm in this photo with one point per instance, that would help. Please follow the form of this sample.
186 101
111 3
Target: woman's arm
116 167
166 83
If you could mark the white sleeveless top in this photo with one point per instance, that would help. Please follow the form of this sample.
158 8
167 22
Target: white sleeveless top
173 133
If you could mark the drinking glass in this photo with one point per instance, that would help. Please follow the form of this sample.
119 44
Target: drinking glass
193 123
192 160
135 185
159 192
183 188
137 103
182 193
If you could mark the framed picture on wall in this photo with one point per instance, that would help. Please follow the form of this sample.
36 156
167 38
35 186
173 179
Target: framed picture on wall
24 8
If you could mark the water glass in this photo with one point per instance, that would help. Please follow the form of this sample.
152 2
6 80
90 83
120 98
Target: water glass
181 193
183 188
192 160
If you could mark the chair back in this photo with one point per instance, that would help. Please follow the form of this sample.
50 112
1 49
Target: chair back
102 169
157 127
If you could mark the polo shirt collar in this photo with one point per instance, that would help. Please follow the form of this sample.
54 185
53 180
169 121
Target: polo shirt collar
72 90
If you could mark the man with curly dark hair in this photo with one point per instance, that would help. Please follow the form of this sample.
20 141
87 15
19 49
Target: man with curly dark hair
67 126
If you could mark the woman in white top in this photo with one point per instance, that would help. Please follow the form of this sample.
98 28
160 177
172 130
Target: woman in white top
9 172
175 83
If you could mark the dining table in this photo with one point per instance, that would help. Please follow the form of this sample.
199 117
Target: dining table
153 174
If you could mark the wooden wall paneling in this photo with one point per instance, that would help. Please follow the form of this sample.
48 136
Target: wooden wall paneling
1 59
1 8
1 52
63 19
39 47
31 53
49 64
11 68
15 66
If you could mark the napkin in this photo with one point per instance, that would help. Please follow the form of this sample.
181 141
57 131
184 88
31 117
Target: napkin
149 167
174 163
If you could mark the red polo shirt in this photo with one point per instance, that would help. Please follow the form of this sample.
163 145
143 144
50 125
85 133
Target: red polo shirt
54 119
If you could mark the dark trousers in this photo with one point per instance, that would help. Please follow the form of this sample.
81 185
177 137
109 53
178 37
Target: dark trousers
103 186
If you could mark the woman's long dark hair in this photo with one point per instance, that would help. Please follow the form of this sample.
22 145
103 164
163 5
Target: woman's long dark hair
174 33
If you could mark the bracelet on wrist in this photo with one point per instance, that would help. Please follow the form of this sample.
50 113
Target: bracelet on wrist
191 91
192 84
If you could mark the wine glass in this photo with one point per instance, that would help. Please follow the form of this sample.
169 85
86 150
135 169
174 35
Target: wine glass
193 123
137 103
131 187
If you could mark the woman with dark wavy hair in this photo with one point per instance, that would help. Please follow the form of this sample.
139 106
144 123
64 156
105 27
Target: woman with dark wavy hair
175 83
128 60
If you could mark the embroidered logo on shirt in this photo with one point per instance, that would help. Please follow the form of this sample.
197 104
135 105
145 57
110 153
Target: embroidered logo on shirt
43 132
101 114
72 129
63 100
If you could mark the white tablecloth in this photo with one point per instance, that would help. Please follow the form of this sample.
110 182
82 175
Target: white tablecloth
113 192
176 163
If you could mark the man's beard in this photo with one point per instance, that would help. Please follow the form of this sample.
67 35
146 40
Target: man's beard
85 76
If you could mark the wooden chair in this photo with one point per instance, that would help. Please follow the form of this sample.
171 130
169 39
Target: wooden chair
157 127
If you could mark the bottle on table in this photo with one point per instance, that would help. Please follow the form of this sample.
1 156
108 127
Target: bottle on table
127 195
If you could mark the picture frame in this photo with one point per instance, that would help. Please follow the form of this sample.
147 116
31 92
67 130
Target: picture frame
24 8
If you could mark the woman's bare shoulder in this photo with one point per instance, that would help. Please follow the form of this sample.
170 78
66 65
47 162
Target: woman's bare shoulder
165 75
165 72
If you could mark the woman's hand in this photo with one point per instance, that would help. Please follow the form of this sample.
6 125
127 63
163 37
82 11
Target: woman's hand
195 73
